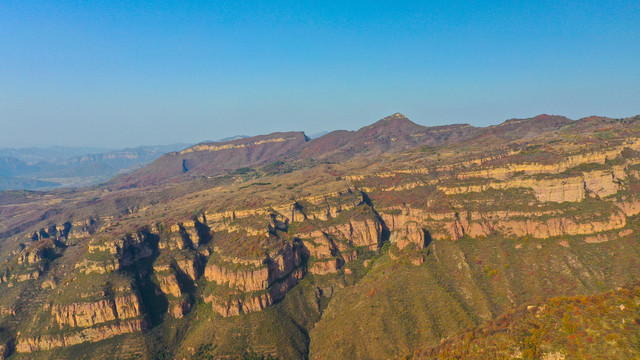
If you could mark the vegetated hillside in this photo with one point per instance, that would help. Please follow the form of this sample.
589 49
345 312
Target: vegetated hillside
603 326
528 128
370 248
214 158
391 134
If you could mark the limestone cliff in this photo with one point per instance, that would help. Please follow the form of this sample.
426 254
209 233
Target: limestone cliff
93 334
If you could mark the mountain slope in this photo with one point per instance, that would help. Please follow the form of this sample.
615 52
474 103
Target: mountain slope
600 326
392 134
373 244
213 158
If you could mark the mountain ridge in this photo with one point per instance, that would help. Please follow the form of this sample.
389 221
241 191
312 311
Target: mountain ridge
367 247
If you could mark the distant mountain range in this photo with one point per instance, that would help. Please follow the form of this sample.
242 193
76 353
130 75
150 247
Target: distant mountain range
393 134
46 168
33 155
51 167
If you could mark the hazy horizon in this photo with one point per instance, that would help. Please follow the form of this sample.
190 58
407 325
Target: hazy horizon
121 74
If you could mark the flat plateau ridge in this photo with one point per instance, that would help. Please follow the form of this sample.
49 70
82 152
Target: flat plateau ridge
518 240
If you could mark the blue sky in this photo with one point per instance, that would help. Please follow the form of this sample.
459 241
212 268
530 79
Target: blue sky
127 73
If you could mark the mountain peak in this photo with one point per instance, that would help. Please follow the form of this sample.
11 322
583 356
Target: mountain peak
395 116
395 120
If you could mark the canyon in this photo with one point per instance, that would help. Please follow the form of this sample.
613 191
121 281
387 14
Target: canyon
377 243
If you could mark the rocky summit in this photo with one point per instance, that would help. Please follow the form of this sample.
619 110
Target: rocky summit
518 240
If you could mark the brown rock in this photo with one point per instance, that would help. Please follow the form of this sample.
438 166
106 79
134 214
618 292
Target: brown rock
245 280
92 313
325 267
93 334
169 284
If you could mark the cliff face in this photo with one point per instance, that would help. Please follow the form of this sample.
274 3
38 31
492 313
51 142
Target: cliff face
244 280
271 281
90 314
115 311
406 233
47 342
359 233
517 224
570 189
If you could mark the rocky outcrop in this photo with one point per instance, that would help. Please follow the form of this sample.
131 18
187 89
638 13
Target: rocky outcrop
118 245
228 146
31 275
85 228
187 233
604 183
629 206
559 190
571 189
365 233
259 286
173 241
178 284
474 224
180 308
36 252
245 305
324 207
257 301
285 261
7 311
117 252
191 267
98 267
169 284
92 334
319 244
30 257
93 313
571 161
250 279
544 228
330 266
409 233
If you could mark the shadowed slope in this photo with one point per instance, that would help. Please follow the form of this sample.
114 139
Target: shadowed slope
213 158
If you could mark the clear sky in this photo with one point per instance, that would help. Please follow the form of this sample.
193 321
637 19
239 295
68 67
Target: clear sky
127 73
